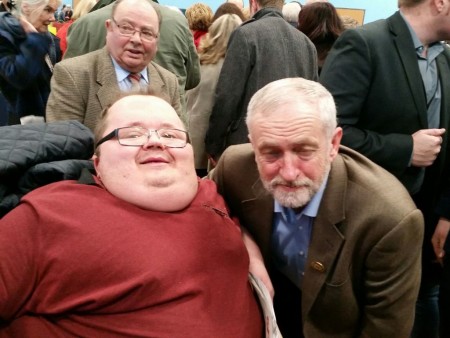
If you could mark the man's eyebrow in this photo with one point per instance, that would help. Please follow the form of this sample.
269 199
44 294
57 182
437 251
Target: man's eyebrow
162 125
170 126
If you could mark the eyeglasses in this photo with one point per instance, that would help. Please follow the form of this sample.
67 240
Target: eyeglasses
128 30
138 136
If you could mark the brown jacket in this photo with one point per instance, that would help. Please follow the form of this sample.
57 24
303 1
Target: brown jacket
83 86
363 270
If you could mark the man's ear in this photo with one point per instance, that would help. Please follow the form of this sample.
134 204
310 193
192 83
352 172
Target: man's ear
335 143
96 161
254 7
439 4
108 25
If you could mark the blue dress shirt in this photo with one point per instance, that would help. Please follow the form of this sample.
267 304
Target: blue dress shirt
291 235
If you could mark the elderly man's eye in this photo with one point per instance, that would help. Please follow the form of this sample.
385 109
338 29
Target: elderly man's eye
306 153
271 155
147 34
127 29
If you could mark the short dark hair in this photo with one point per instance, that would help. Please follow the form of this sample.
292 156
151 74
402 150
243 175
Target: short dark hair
409 3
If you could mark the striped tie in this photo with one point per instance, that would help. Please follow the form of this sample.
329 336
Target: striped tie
134 79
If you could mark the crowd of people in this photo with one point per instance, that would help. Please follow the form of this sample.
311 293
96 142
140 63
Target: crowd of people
267 169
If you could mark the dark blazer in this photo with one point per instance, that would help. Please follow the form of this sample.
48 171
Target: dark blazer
264 49
373 74
83 86
363 268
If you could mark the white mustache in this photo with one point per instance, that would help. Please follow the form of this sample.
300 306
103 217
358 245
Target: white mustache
303 182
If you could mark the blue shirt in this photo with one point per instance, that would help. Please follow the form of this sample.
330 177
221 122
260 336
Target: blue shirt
291 235
122 77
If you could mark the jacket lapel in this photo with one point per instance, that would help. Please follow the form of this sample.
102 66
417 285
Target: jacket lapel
157 84
405 48
108 88
443 65
326 239
258 211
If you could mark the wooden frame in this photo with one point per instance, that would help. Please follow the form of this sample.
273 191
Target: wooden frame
357 14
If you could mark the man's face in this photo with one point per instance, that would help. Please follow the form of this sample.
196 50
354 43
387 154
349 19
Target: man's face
124 169
133 53
41 17
292 152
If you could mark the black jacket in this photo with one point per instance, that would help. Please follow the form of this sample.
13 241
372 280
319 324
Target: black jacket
34 155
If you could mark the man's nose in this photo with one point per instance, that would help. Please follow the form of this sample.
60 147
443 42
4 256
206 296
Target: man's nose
136 36
289 170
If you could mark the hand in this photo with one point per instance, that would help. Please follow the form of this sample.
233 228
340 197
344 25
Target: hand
26 25
439 238
212 161
257 266
426 146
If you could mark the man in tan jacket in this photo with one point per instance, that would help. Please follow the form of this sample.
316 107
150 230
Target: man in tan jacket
83 86
340 235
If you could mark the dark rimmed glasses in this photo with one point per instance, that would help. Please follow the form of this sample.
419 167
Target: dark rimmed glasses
128 30
138 136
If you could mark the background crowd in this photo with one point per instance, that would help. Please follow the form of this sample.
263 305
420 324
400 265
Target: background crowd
219 71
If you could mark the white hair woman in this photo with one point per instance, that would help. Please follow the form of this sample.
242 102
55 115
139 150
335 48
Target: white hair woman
27 55
200 100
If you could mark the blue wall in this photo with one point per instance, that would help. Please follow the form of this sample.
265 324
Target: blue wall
375 9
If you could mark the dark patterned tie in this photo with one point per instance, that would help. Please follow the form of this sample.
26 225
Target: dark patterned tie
134 79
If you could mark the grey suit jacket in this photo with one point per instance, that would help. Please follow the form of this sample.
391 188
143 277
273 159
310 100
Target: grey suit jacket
264 49
83 86
363 269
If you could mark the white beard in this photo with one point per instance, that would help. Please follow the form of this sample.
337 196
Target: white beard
299 198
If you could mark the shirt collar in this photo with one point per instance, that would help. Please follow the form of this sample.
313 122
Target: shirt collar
433 49
312 208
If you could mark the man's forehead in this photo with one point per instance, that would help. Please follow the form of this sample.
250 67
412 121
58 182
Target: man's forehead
142 109
127 6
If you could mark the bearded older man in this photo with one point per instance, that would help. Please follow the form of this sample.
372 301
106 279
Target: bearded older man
142 249
340 235
82 86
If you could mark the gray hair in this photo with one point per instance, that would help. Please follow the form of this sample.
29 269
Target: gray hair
293 91
33 5
290 12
